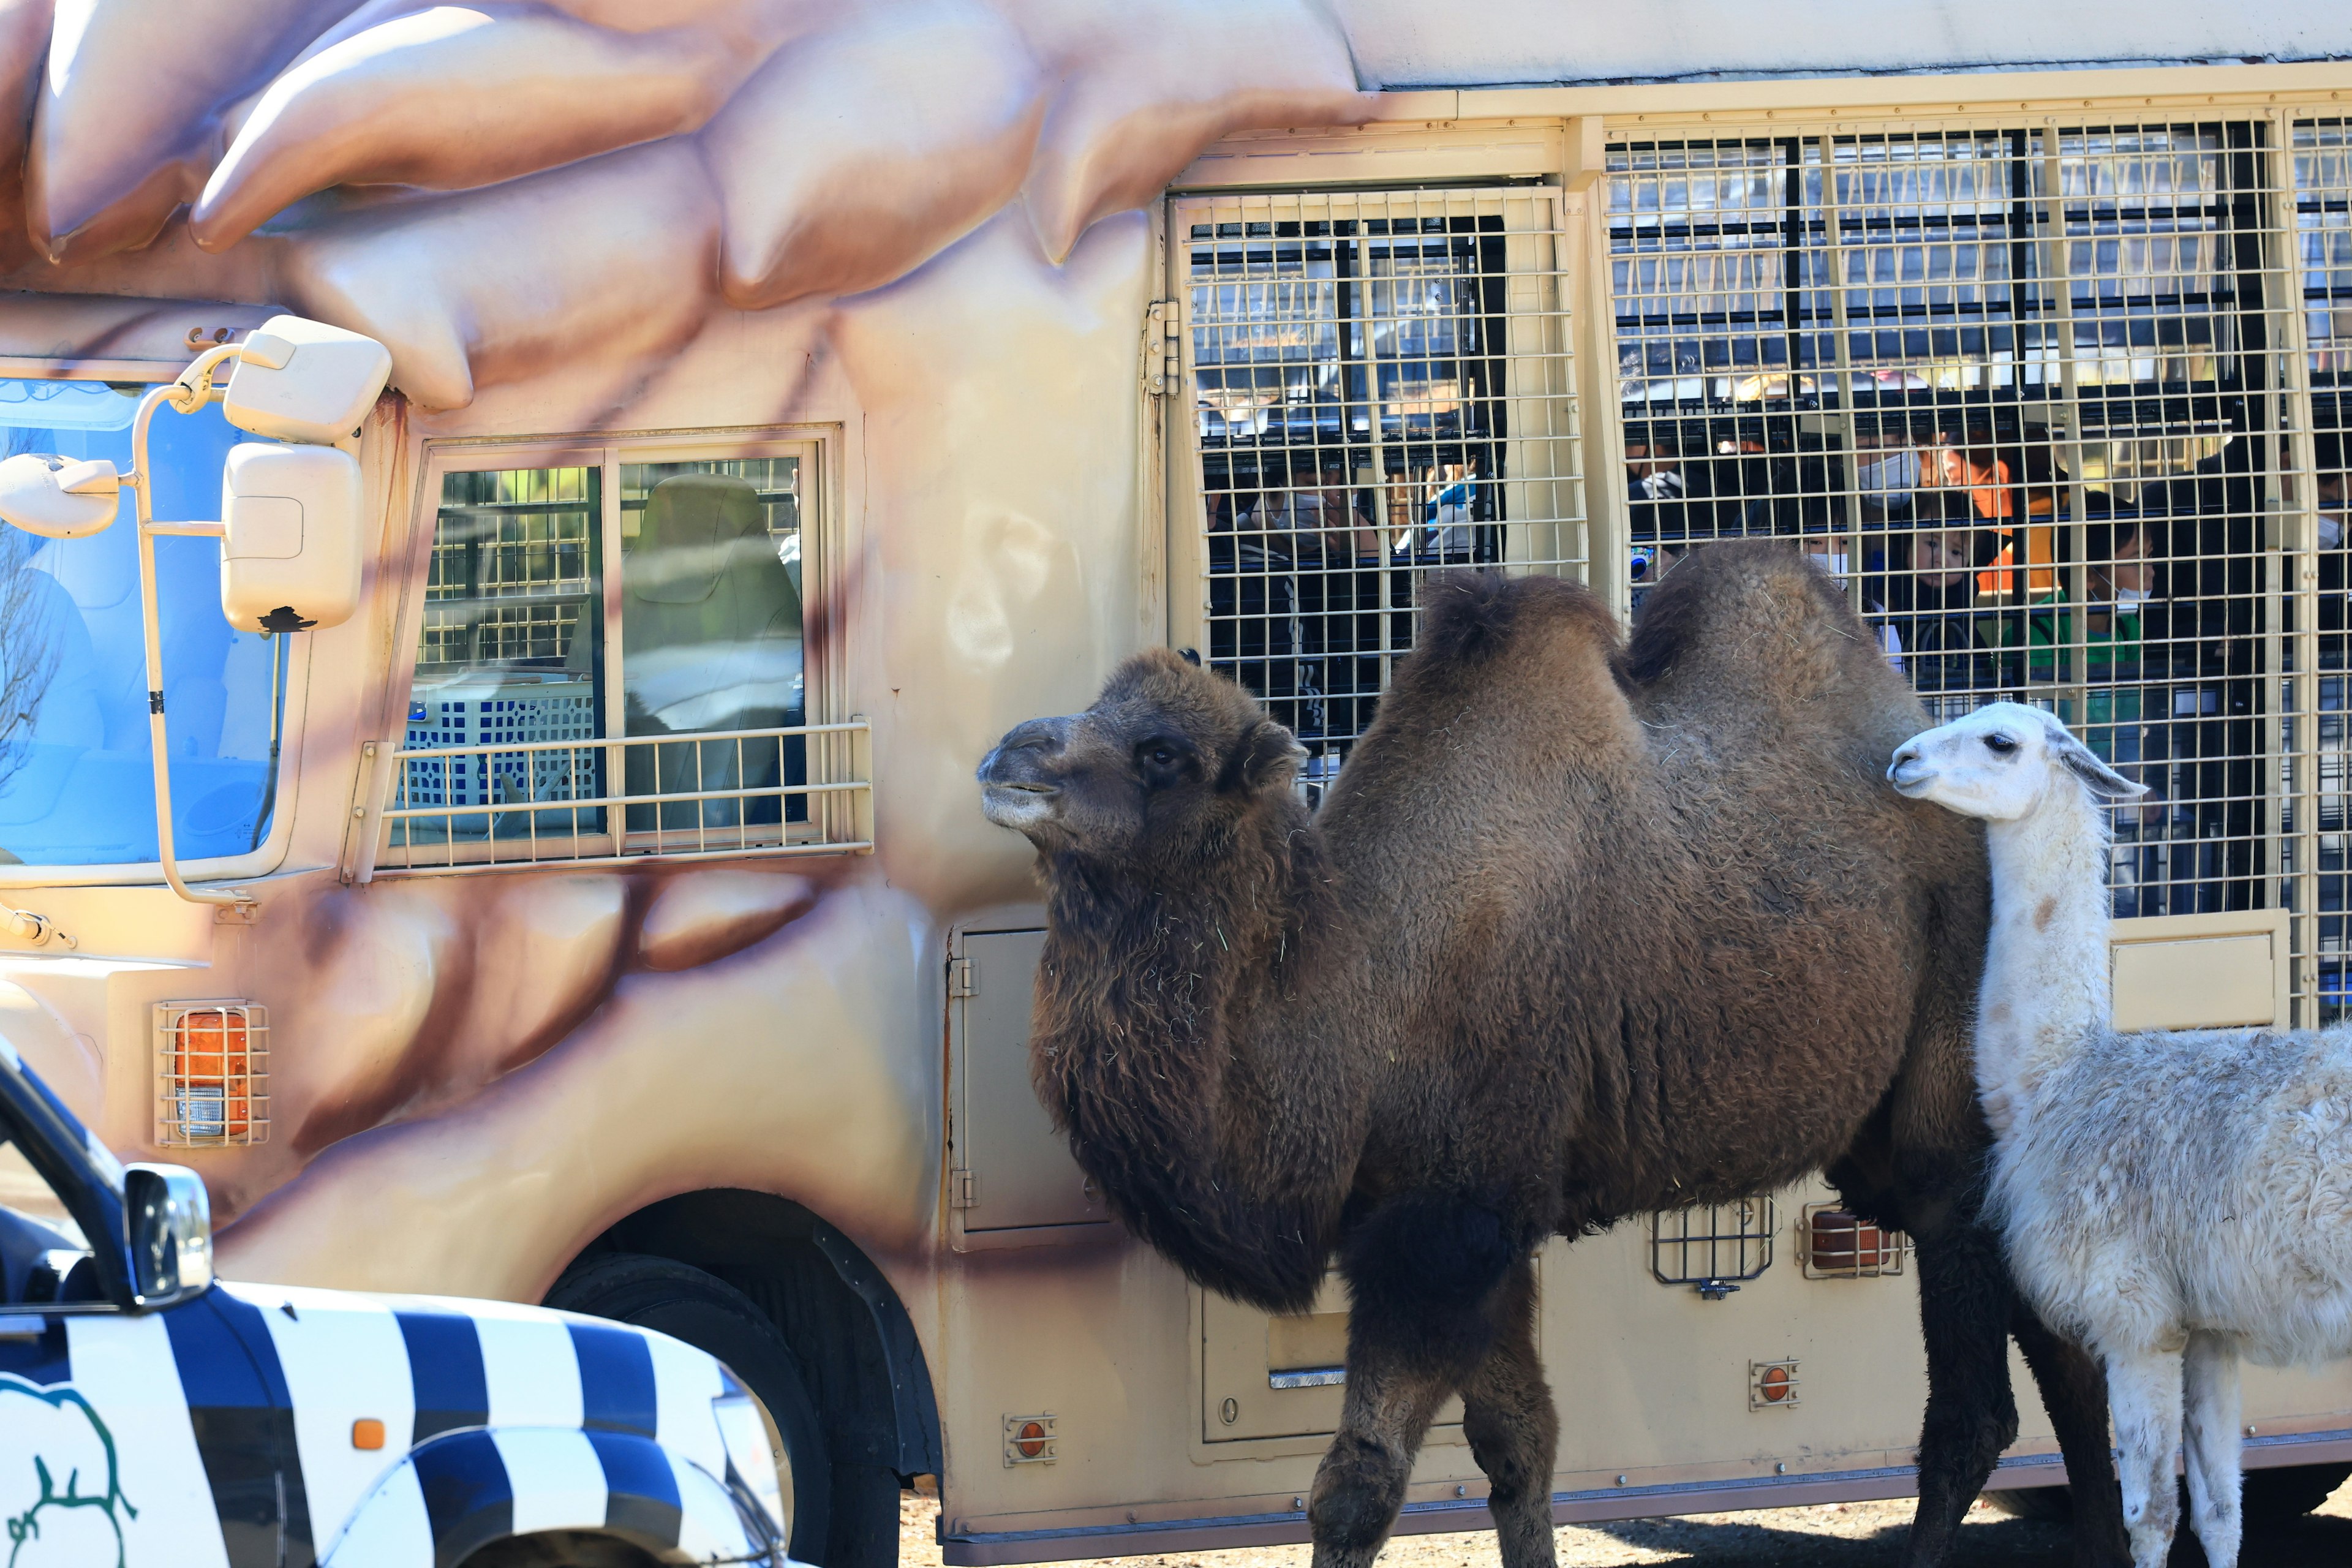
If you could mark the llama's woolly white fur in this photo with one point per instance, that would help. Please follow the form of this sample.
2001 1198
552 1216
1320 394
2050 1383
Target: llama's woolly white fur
2176 1200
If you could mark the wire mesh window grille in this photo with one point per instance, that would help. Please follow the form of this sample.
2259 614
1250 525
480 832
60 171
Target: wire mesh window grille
2322 158
212 1074
2031 394
559 714
1382 389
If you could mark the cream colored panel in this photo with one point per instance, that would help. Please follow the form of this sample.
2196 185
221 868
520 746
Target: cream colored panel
1011 1170
2195 972
1266 1376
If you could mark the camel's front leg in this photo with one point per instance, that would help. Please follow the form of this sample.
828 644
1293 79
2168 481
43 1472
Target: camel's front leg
1421 1274
1965 1303
1514 1431
2216 1449
2145 1388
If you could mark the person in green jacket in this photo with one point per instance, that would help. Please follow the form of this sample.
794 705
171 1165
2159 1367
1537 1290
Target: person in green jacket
2120 579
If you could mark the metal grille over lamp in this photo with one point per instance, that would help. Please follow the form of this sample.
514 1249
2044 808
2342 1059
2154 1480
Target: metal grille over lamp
212 1074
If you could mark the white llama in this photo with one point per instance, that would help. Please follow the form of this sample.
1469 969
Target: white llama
2175 1201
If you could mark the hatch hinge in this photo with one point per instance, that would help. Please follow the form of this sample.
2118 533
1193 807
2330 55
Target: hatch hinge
963 978
1163 347
964 1189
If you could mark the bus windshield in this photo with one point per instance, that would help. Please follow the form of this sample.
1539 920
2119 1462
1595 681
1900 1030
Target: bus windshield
76 786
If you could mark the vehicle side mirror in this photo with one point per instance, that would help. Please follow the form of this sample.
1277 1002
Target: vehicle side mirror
169 1218
304 381
290 537
58 497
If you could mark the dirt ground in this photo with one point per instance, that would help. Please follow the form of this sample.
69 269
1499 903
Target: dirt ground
1842 1535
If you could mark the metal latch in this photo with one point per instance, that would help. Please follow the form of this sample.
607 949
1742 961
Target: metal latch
964 1189
963 978
1163 347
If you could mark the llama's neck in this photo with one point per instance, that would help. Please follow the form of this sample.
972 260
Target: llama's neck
2046 982
1173 1045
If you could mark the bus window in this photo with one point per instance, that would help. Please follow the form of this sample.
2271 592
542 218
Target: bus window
2015 389
524 677
76 786
711 638
512 654
1381 391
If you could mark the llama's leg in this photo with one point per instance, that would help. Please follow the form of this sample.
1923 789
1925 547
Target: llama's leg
2075 1391
1422 1273
1513 1432
1965 1308
2144 1387
2215 1445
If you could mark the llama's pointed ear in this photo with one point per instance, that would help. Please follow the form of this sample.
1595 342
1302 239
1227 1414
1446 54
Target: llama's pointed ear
1268 754
2096 776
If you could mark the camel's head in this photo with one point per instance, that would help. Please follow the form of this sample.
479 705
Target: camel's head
1999 762
1168 757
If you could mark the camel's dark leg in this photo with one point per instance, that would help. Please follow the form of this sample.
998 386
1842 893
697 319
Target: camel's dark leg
1422 1271
1513 1432
1965 1308
2075 1391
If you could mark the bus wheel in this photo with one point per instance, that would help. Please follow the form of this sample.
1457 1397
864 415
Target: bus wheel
711 1315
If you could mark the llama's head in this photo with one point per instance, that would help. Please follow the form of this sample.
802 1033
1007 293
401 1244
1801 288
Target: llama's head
1159 772
2000 762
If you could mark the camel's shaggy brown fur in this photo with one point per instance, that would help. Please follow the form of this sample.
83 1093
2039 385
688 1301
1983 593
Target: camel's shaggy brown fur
1583 930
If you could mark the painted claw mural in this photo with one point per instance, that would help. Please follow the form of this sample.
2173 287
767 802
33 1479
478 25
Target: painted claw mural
633 168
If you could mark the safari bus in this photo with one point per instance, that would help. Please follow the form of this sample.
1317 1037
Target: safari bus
601 912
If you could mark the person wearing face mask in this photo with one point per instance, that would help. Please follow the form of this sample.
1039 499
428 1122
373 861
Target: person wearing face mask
1927 587
1887 473
2116 713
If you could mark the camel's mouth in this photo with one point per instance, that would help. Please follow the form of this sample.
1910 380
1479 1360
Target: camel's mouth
1016 803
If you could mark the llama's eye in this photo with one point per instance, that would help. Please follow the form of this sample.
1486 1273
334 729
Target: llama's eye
1156 753
1999 745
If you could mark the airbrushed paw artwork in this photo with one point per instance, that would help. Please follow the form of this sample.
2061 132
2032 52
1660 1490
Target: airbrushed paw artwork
60 1495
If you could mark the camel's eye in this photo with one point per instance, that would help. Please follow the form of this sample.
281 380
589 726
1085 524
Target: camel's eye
1998 744
1157 754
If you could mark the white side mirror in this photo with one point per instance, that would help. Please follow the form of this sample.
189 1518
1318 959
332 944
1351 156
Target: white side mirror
291 540
57 498
298 380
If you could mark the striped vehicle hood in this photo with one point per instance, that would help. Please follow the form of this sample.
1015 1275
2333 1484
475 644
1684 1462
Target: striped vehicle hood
263 1424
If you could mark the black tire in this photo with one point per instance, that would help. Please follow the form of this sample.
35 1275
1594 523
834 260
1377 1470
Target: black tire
864 1517
711 1315
2270 1497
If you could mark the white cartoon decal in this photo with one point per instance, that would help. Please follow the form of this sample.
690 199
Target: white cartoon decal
59 1492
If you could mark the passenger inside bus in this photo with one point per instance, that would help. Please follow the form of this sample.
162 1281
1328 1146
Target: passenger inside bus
77 784
1927 585
710 637
2009 480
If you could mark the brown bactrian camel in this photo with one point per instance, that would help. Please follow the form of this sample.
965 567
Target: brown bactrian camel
1583 932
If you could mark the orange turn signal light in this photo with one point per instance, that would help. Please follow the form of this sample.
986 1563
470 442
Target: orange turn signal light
367 1432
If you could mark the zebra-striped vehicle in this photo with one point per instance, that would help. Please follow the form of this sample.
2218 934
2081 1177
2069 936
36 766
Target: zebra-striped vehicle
150 1415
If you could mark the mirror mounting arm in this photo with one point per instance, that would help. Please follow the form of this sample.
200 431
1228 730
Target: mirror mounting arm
187 395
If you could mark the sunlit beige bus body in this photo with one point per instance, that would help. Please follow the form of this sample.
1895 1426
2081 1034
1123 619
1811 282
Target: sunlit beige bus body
943 278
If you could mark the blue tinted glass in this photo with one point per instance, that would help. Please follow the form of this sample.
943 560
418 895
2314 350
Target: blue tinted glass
77 784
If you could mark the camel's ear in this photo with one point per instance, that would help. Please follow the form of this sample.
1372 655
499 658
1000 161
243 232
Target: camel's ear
1267 754
2084 763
